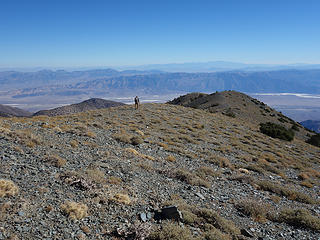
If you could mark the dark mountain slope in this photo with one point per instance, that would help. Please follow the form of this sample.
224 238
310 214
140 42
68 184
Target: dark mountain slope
91 104
7 111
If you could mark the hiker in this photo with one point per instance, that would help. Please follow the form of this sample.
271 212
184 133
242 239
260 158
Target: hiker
136 102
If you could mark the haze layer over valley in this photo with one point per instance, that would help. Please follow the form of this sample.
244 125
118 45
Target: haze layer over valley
45 89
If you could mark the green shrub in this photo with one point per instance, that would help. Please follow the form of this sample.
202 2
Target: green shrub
295 127
276 131
314 140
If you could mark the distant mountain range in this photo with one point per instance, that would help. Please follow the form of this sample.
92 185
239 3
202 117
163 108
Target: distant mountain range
210 66
10 80
218 66
312 125
77 83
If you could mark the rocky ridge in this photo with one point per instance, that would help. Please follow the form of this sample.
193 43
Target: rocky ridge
99 174
7 111
87 105
241 106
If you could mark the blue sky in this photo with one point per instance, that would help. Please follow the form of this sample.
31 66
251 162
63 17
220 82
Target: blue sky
78 33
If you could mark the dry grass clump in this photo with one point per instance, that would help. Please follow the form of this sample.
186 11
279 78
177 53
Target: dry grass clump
56 160
75 210
91 134
190 178
136 153
171 158
28 138
207 171
306 184
217 221
96 175
220 161
215 234
303 176
132 151
188 217
7 188
114 180
136 140
171 231
122 137
285 191
5 131
74 143
127 138
121 198
252 208
299 218
18 149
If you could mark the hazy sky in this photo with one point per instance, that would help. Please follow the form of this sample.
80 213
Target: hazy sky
65 33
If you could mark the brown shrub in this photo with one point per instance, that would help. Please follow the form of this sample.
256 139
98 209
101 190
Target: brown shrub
7 188
252 208
122 137
136 140
96 175
285 191
216 234
75 210
307 184
121 198
114 180
74 143
217 221
171 231
171 158
190 178
299 218
91 134
56 160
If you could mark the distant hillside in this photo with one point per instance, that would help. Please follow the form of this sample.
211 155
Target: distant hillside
312 125
91 104
238 105
7 111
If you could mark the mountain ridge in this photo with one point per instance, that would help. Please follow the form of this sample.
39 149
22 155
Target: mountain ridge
8 111
87 105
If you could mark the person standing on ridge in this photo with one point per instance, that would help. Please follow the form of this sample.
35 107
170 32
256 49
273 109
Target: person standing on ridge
136 102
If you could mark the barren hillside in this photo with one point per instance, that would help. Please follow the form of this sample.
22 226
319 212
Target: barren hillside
109 173
239 105
87 105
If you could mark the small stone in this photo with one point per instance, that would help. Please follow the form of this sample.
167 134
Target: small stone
21 213
246 233
149 215
143 217
200 195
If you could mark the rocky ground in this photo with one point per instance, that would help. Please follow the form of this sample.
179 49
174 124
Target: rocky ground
104 174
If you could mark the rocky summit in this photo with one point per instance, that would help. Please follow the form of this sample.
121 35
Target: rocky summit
87 105
160 172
